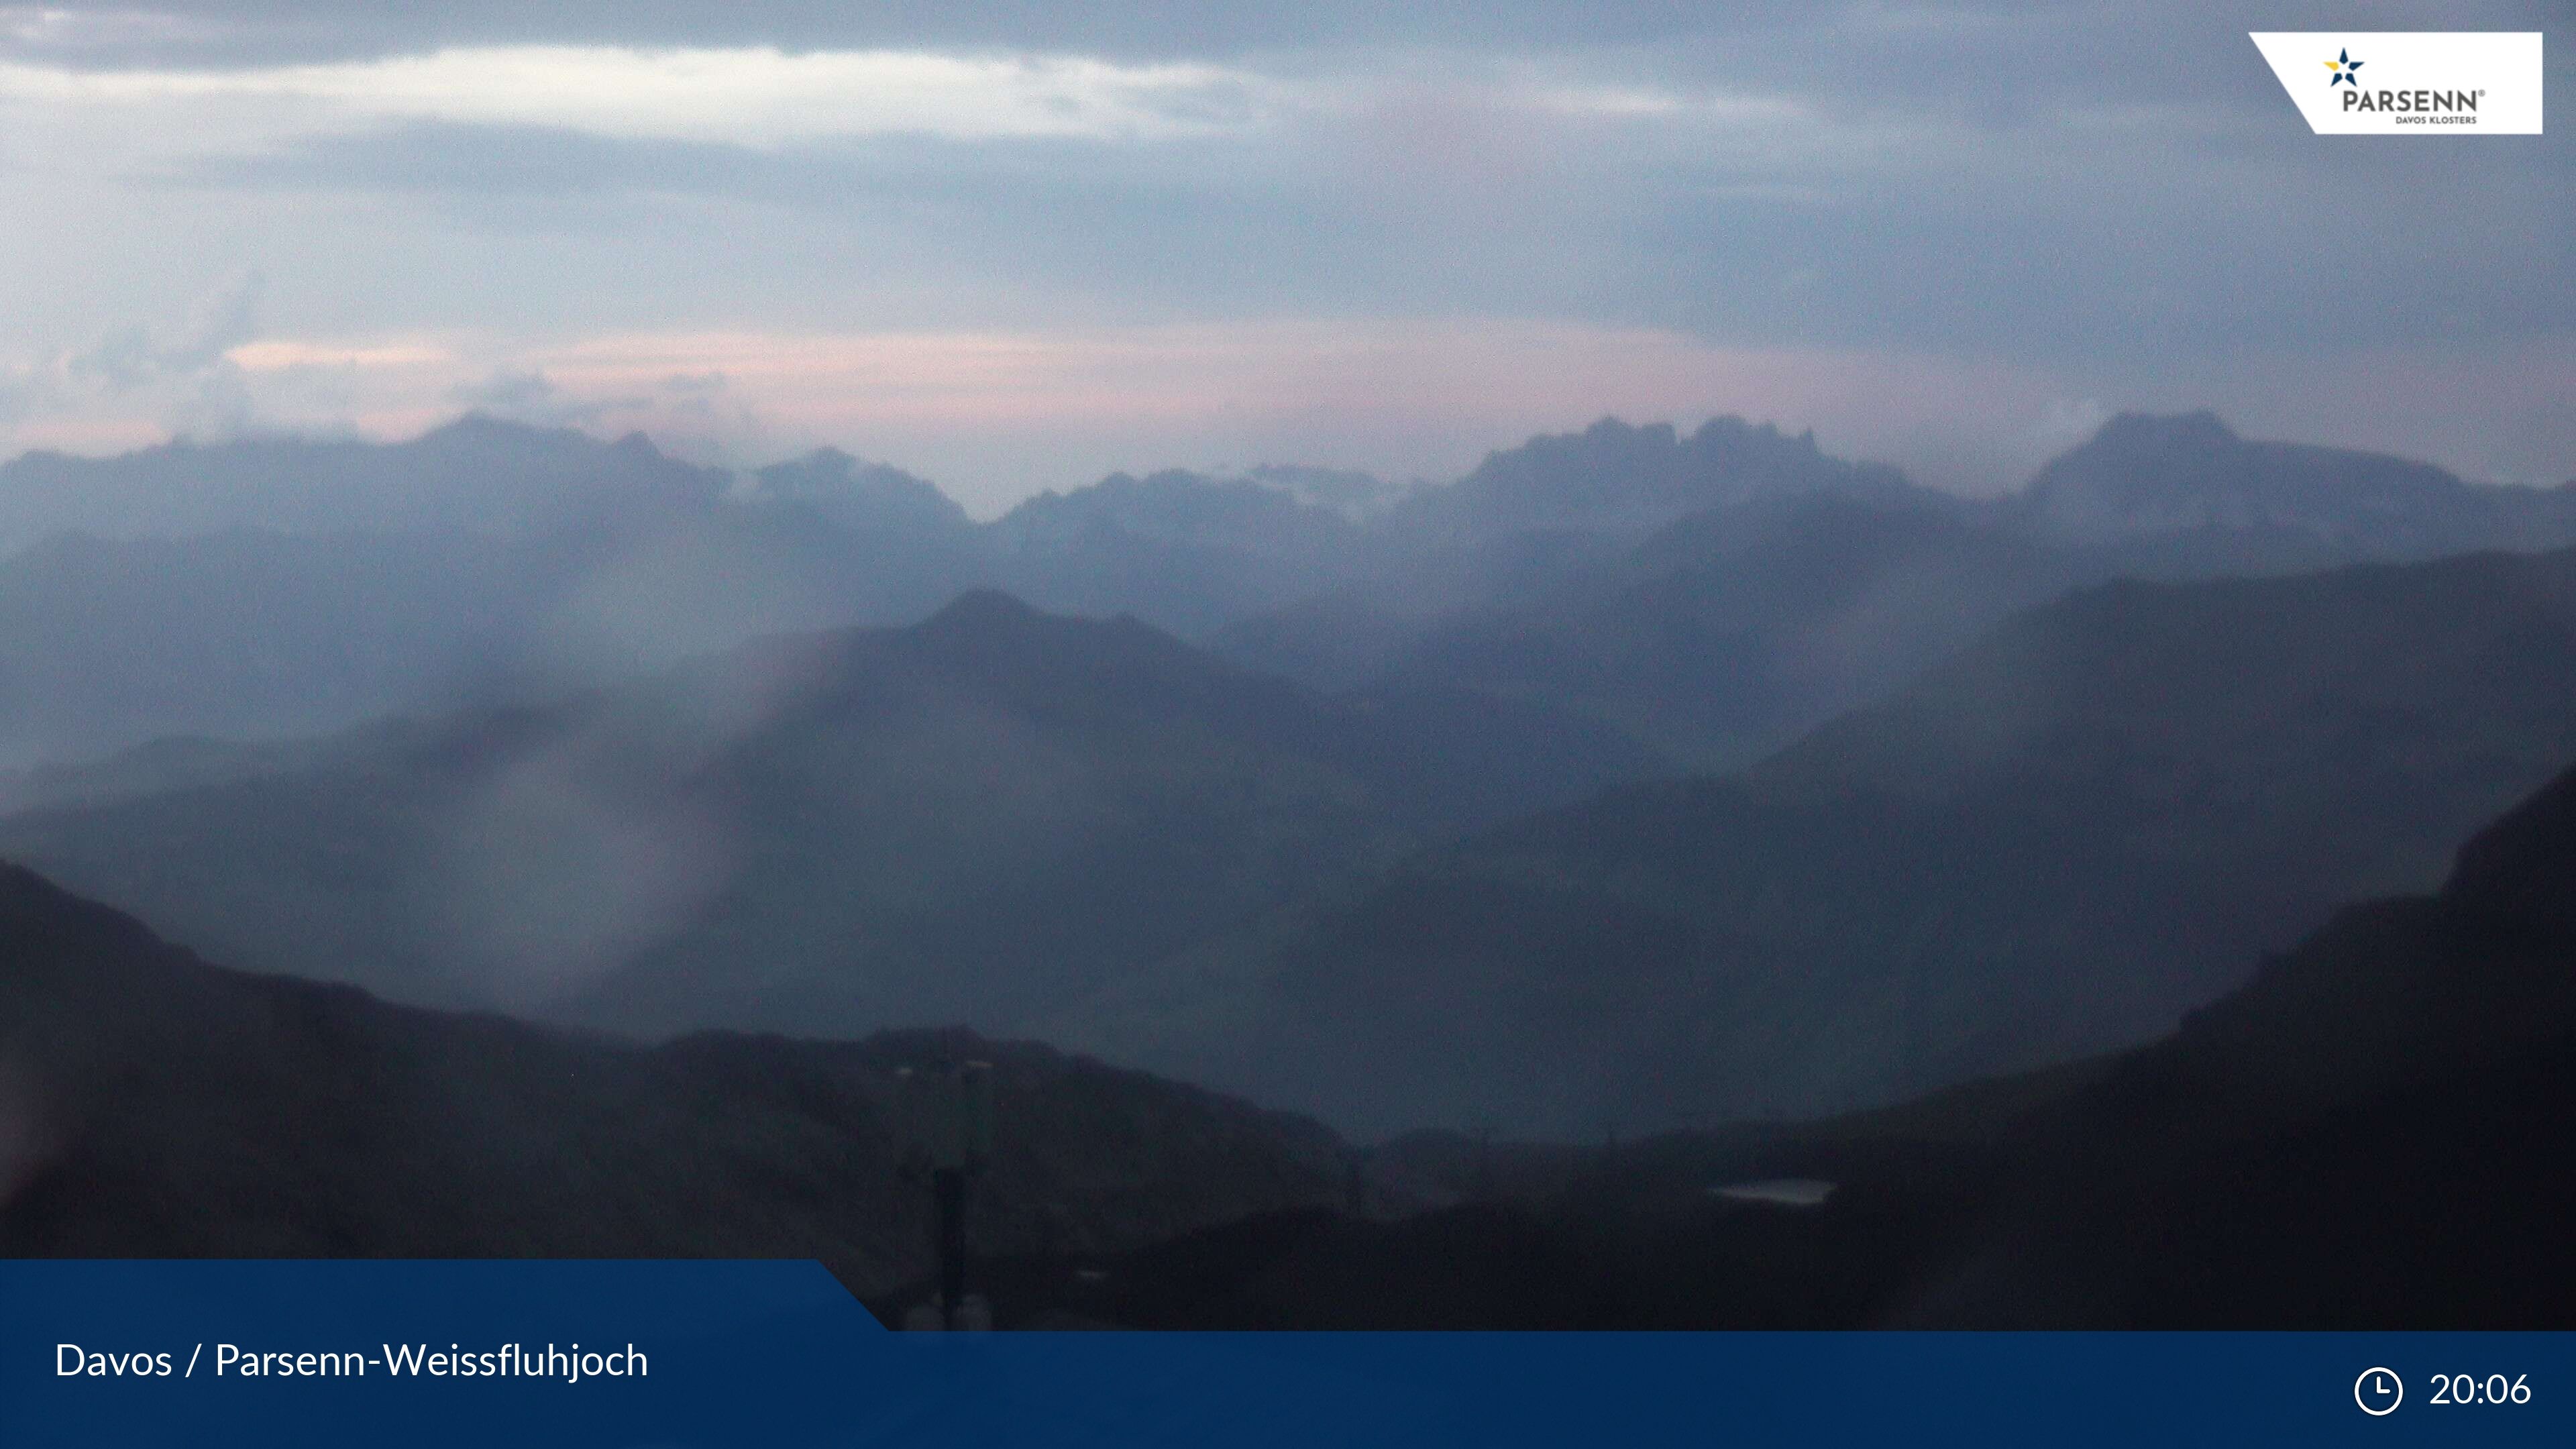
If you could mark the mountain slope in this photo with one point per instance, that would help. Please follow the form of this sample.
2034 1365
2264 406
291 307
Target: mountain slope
2091 821
1785 595
2353 1140
979 818
1629 481
106 644
1713 593
2188 475
153 1105
1182 551
1727 633
283 587
476 475
1731 631
272 587
2343 1143
2346 1143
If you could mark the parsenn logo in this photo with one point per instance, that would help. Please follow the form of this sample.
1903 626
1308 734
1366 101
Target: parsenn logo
2462 104
2460 83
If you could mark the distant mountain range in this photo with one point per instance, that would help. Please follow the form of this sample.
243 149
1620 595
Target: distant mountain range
1776 588
1625 481
269 589
1188 552
1713 594
1400 807
2053 842
477 475
2059 840
981 819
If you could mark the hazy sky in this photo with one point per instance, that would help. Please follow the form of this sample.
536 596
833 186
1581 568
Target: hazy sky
1019 250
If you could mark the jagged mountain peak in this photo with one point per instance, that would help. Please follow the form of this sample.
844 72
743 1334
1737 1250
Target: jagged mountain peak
854 490
2146 475
1631 479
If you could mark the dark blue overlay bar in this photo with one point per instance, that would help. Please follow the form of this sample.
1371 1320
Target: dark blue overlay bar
731 1353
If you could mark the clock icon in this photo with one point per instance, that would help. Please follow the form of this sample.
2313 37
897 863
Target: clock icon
2378 1392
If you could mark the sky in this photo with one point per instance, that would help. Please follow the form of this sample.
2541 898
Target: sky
1015 247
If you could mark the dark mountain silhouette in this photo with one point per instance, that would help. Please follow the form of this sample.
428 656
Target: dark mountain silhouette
979 818
2328 1146
2055 843
2320 1149
154 1105
2342 1143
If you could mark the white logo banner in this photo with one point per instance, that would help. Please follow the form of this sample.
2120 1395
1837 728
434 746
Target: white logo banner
2406 82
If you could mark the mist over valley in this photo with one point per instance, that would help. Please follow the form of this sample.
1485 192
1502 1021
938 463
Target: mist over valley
1770 813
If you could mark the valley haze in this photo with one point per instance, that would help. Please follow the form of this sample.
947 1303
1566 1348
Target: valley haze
1638 778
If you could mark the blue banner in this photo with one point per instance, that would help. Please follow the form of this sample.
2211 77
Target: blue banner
776 1353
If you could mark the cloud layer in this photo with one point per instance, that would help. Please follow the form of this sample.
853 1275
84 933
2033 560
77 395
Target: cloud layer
999 249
